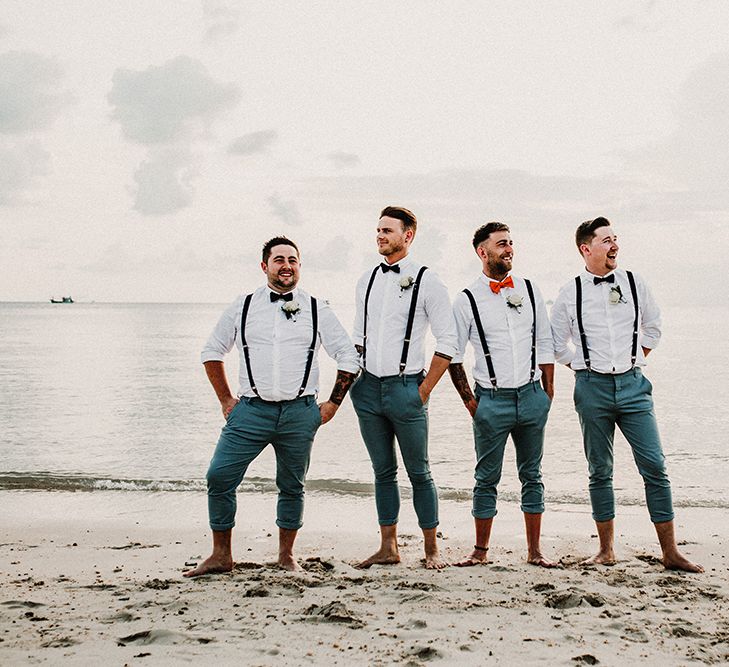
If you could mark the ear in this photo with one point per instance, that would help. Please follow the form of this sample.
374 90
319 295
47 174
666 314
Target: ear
481 252
264 267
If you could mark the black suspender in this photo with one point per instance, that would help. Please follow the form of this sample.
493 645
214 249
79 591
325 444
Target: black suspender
533 370
482 335
244 343
312 347
364 329
411 319
578 308
634 293
408 327
583 338
310 355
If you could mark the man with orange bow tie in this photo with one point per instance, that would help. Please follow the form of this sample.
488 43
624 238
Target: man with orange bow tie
505 320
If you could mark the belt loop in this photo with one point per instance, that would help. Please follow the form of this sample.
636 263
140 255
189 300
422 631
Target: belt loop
493 391
534 386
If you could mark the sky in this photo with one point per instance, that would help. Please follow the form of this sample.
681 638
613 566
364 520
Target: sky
149 149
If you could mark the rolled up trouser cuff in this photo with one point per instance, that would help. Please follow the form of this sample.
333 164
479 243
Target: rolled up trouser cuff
289 526
222 527
489 514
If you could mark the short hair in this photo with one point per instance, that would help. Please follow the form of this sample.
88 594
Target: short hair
484 231
586 230
407 217
276 240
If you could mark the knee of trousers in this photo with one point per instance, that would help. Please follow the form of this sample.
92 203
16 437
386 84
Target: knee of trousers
420 478
654 472
385 474
219 481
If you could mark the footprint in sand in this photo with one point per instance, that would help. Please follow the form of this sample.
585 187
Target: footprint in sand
334 612
161 636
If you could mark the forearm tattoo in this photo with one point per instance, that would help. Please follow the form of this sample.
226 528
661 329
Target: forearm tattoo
341 386
460 382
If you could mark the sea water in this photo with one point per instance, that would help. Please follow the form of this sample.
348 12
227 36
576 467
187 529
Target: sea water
113 396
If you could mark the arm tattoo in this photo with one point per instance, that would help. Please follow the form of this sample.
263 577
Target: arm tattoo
442 356
460 382
341 386
359 348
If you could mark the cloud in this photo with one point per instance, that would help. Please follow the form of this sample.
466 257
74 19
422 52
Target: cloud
221 19
343 160
693 158
22 167
255 142
164 182
30 98
285 210
333 256
173 101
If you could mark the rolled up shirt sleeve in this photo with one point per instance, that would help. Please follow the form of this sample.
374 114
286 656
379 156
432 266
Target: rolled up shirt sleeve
650 324
545 344
463 318
223 336
562 328
440 315
336 341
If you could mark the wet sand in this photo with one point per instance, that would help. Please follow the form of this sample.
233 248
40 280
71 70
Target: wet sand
92 578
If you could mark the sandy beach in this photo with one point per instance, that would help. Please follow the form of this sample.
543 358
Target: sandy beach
92 578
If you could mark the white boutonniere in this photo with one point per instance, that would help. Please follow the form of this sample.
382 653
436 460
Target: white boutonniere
406 282
616 296
291 309
515 301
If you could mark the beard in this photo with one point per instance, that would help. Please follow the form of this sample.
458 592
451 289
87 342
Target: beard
390 248
283 283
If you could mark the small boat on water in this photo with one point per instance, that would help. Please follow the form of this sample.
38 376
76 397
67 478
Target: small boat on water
64 299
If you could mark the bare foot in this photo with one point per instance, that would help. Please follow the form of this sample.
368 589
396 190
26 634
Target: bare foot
288 562
678 561
381 557
212 565
434 562
541 561
602 558
477 557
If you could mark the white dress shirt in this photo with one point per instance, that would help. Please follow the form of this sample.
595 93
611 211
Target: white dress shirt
278 347
387 315
508 332
608 326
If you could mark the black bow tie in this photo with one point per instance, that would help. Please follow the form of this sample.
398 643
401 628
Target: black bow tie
275 296
395 268
606 279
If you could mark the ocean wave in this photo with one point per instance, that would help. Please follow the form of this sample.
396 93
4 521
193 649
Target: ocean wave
52 481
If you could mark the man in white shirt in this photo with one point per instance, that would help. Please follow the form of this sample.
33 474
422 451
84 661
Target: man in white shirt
278 330
396 301
505 320
613 323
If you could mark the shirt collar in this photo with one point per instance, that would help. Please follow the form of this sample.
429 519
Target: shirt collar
587 277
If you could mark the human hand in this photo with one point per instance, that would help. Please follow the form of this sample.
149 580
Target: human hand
327 410
227 405
424 393
471 406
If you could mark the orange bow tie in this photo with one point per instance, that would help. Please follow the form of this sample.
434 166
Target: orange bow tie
496 287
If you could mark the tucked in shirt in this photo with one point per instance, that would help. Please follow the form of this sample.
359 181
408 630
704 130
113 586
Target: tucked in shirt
508 332
278 346
387 314
608 323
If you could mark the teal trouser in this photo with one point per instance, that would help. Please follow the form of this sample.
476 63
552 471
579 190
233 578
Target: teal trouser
390 408
252 425
602 401
521 413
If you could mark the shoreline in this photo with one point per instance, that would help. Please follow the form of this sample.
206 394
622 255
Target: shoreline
97 577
